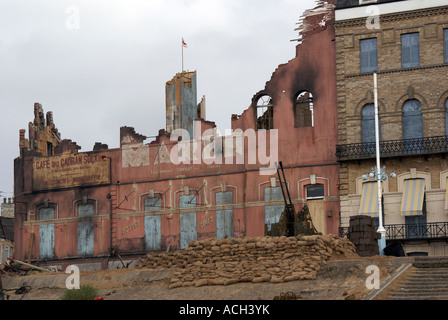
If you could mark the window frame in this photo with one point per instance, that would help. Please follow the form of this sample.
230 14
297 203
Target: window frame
302 119
264 113
368 54
315 197
408 114
404 47
445 45
369 117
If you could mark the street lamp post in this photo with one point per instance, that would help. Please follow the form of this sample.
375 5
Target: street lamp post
381 230
380 175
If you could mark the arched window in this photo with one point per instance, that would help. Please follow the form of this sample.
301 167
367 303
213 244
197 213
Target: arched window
412 125
368 123
265 113
412 119
304 110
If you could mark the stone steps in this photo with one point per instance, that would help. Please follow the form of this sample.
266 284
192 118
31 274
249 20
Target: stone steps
428 281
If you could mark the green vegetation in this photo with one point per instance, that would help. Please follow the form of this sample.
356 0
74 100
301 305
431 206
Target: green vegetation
85 292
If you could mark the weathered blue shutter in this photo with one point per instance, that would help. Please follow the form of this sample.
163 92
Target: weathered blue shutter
410 50
272 214
46 234
224 218
153 234
412 125
85 230
153 225
369 55
188 231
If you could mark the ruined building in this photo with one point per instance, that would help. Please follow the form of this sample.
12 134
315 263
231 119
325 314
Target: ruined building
161 194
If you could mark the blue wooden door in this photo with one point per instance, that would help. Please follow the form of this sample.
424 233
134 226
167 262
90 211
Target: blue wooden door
224 218
273 213
188 229
46 234
85 230
153 234
153 225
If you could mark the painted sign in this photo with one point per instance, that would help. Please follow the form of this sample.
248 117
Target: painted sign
70 170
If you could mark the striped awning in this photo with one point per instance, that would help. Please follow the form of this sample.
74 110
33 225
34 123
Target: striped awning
413 195
369 199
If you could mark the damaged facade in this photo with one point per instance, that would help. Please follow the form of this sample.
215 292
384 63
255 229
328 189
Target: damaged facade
160 195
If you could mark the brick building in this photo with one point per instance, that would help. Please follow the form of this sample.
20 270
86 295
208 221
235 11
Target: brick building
406 43
160 195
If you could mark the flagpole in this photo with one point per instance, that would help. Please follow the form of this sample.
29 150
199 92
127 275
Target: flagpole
182 44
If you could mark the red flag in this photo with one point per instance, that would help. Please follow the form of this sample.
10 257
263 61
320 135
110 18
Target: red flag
183 43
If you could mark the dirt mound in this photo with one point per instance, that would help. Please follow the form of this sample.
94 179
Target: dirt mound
257 259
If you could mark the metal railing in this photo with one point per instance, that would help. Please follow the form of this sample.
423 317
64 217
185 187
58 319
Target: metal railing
432 230
393 148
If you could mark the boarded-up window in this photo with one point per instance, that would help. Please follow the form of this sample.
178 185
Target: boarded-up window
304 110
86 227
265 113
369 55
46 234
224 218
410 50
153 233
188 228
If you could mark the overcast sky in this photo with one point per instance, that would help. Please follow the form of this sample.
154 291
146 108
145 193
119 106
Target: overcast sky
103 64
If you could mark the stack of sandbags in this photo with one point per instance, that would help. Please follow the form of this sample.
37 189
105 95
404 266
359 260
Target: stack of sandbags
259 259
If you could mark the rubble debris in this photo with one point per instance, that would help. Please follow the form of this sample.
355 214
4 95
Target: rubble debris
250 259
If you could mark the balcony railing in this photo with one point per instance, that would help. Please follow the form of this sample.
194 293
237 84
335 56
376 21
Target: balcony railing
432 230
393 148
